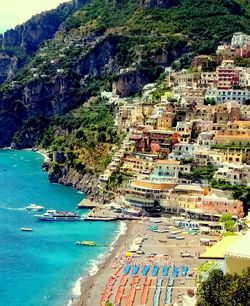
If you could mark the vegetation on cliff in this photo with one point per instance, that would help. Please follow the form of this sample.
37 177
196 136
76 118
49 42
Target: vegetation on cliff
85 135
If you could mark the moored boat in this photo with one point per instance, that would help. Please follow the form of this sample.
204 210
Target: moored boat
26 229
54 215
86 243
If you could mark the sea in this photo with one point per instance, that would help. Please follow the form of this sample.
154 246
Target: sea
43 267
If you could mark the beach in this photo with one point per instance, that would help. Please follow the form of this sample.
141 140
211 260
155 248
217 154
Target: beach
90 290
152 252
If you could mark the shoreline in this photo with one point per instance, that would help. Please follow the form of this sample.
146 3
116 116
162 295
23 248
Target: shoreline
89 282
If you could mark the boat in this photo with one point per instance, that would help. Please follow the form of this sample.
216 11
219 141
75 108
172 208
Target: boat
26 229
54 215
86 243
34 207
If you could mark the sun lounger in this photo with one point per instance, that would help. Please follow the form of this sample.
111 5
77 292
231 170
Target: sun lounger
126 269
165 271
135 270
155 270
145 270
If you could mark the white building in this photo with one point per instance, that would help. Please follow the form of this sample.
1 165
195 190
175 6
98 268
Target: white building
181 151
170 171
221 95
240 39
204 140
235 174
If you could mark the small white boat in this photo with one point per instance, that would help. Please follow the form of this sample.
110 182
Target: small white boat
34 207
26 229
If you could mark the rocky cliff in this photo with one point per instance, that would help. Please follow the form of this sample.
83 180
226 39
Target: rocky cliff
22 41
86 183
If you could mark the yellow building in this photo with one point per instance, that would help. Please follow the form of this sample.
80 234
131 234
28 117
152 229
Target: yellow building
237 155
231 140
182 197
237 256
132 165
165 121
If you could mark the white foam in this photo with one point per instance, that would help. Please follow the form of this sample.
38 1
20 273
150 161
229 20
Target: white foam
94 266
76 290
79 192
121 231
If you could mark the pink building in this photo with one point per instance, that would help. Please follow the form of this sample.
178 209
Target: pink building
227 77
217 205
244 51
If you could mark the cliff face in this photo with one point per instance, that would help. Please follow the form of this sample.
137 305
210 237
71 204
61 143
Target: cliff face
44 98
16 44
86 183
149 4
131 82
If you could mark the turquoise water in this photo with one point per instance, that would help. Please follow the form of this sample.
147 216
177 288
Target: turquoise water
41 267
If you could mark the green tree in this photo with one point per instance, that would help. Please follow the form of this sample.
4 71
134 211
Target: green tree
225 290
226 217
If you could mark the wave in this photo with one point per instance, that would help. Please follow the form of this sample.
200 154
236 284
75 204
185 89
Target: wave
121 231
12 208
76 290
79 192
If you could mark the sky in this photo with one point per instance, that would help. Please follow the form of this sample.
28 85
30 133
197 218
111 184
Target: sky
14 12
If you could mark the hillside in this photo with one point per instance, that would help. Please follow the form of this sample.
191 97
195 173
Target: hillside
96 42
18 44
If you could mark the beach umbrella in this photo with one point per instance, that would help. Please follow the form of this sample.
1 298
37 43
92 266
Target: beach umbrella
128 254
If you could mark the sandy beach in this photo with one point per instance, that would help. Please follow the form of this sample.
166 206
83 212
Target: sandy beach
90 291
156 249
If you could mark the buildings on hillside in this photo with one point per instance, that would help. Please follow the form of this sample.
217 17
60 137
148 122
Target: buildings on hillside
195 118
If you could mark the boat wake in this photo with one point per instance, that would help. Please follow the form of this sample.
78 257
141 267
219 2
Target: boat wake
12 208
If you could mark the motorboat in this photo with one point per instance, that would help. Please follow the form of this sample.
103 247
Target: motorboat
86 243
26 229
34 207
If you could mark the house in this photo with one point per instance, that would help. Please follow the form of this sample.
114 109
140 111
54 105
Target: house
237 155
231 140
205 140
137 166
214 204
234 173
182 197
165 121
181 151
145 194
221 95
237 256
240 39
170 171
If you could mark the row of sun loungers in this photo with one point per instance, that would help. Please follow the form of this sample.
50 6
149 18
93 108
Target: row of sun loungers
145 291
132 292
145 270
108 290
168 295
121 289
157 292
